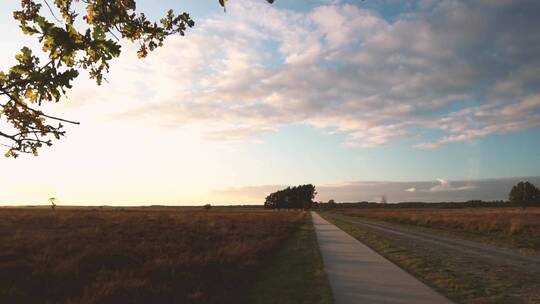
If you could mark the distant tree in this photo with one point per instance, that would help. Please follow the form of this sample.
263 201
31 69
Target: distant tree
207 207
52 200
383 199
298 197
524 194
331 204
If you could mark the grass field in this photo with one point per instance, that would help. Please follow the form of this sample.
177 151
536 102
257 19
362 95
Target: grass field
512 226
137 256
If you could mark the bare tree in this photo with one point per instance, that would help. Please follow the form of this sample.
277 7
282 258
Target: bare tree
383 199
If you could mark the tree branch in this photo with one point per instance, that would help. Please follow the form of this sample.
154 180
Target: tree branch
52 12
40 113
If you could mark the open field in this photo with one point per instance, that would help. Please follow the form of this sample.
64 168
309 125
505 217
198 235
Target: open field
137 256
513 227
466 271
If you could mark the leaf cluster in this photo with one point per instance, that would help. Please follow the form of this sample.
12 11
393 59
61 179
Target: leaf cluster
68 49
74 40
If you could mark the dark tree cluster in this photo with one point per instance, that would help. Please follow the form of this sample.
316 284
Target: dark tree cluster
298 197
524 194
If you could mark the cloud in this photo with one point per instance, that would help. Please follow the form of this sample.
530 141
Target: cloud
476 122
444 185
464 69
440 190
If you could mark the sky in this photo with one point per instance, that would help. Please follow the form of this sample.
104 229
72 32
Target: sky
434 100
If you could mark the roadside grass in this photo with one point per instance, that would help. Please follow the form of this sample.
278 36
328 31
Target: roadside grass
458 278
295 274
508 227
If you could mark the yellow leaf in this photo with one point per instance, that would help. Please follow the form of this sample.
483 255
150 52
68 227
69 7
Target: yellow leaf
90 14
28 93
141 53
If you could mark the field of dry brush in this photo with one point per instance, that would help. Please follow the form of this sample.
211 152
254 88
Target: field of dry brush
520 227
127 256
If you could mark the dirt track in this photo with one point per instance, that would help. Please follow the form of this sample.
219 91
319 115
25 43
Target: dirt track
496 255
511 276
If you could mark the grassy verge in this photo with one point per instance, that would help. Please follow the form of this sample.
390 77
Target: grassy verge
457 277
506 227
295 275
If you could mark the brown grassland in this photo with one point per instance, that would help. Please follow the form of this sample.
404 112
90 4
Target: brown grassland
511 226
136 256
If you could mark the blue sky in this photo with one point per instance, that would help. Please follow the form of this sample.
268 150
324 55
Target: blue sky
334 93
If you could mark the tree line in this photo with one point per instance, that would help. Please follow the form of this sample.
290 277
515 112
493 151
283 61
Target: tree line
297 197
524 194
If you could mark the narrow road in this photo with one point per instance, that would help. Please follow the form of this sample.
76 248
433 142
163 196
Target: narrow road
358 274
484 252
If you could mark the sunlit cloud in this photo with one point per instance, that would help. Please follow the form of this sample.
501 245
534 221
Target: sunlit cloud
444 185
259 68
231 103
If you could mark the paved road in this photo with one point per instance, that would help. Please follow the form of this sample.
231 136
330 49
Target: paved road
358 275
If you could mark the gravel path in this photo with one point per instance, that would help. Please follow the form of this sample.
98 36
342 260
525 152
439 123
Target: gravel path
487 253
358 274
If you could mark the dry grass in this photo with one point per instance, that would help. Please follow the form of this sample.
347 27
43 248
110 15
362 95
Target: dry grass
135 256
514 225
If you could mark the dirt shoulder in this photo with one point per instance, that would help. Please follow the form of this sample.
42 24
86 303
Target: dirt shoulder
464 270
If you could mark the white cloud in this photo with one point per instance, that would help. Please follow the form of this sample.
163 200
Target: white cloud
467 69
444 185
